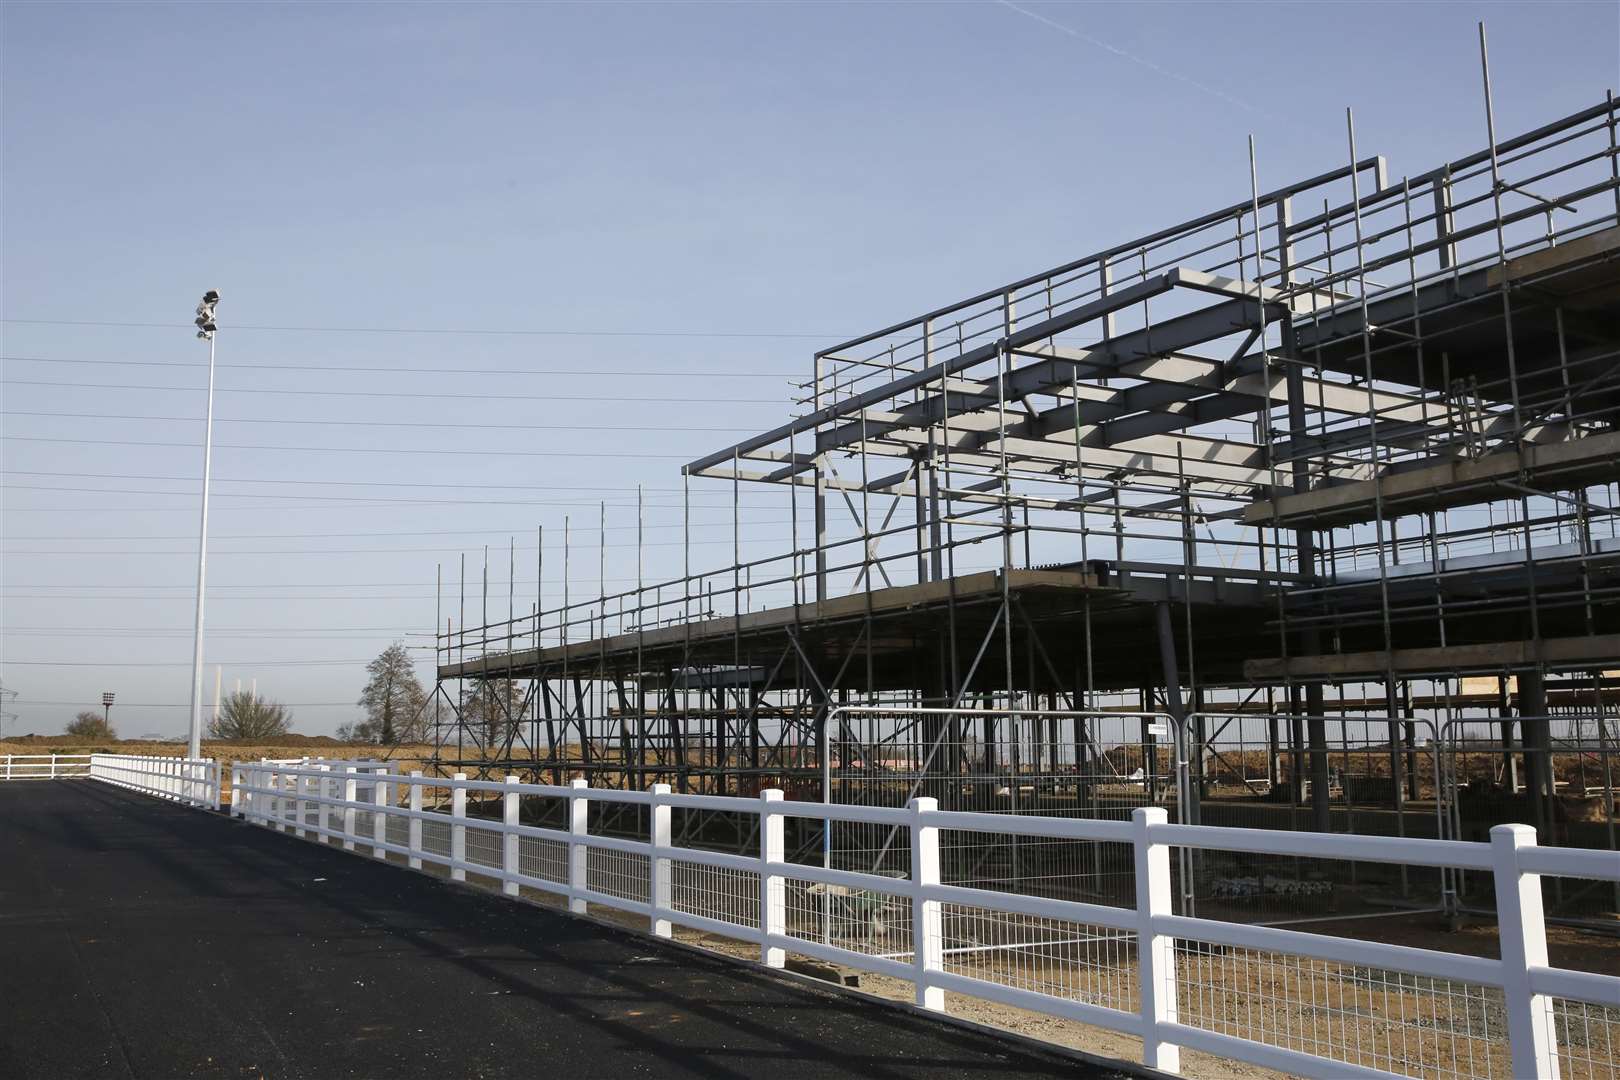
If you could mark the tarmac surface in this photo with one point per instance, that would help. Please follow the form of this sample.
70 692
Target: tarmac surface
143 939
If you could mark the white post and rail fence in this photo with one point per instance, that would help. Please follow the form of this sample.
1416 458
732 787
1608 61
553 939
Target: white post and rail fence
193 781
1526 1016
43 766
1303 1003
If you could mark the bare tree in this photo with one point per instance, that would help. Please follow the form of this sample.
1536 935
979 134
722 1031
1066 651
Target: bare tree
91 725
249 716
393 700
490 707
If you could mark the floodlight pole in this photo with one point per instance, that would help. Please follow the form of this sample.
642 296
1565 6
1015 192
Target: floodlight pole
194 745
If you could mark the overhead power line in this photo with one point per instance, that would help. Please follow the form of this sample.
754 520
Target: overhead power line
340 500
349 449
479 331
187 704
520 531
661 399
374 483
104 598
727 541
183 663
346 422
222 629
655 373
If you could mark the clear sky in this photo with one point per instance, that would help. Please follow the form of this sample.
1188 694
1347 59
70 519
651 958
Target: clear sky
761 179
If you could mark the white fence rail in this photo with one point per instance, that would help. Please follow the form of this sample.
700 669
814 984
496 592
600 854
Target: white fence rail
43 766
1303 1003
193 781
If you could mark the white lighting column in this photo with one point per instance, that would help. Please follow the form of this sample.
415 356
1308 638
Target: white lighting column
205 330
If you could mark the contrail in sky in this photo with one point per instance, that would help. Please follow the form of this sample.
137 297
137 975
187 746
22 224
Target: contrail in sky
1133 58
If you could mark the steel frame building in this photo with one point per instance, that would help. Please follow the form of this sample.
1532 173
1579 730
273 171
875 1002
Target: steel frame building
1327 478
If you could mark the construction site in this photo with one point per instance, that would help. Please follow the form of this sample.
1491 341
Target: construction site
1297 515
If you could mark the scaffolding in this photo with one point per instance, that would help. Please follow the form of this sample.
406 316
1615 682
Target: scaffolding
1290 515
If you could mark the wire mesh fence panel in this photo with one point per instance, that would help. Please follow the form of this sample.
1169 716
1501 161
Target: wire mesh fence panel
543 859
399 830
860 920
436 838
1564 783
715 892
1587 1040
1408 1024
617 873
364 822
1060 958
1255 771
484 846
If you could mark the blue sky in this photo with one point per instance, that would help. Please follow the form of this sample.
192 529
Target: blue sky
760 178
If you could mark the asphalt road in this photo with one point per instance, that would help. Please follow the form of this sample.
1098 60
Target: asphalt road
142 939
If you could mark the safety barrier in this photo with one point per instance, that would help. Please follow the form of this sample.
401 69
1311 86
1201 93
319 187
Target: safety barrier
1300 1002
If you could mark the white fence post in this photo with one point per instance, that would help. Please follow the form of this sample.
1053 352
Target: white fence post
458 833
350 794
415 828
1523 944
272 801
509 840
659 878
323 812
1155 952
578 867
53 766
236 791
772 889
301 805
379 819
927 929
216 770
